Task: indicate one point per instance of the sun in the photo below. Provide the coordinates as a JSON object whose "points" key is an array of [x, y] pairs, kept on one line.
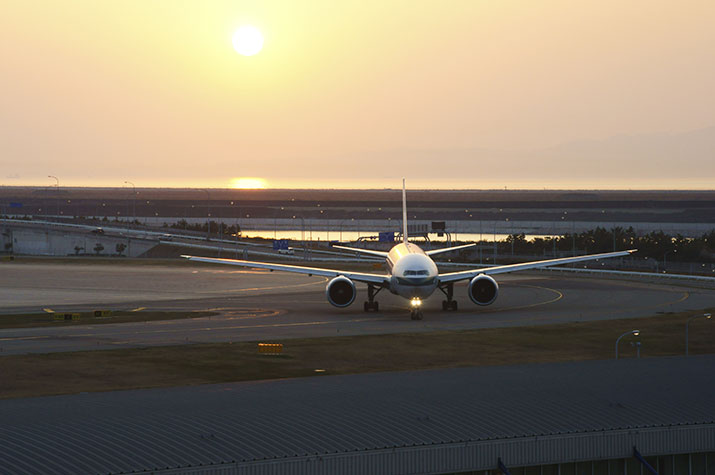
{"points": [[248, 183], [247, 40]]}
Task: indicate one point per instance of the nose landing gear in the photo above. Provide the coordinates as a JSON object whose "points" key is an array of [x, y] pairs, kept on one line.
{"points": [[416, 309]]}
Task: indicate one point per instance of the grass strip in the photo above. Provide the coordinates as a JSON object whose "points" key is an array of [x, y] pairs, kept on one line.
{"points": [[29, 320], [64, 373]]}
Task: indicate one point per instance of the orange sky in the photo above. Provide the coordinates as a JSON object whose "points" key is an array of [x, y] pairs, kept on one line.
{"points": [[473, 94]]}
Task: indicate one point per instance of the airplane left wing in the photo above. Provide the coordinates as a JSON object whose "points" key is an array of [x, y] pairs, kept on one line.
{"points": [[356, 276], [468, 274]]}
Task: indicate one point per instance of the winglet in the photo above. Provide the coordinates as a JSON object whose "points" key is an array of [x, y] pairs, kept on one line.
{"points": [[404, 213]]}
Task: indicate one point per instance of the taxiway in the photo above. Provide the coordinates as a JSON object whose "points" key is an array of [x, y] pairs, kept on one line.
{"points": [[254, 305]]}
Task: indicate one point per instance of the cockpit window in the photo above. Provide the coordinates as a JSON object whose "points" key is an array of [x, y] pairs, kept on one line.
{"points": [[416, 272]]}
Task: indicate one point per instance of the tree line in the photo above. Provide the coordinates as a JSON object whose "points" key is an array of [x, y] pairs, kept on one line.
{"points": [[656, 244]]}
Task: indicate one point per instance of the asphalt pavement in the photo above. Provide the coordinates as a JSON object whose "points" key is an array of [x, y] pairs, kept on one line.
{"points": [[253, 305]]}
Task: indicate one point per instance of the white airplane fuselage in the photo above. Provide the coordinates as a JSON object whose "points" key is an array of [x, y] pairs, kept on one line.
{"points": [[413, 274]]}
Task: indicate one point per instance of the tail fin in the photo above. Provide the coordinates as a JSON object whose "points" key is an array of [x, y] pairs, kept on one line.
{"points": [[404, 213]]}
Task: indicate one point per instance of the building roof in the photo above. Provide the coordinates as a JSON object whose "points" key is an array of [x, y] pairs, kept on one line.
{"points": [[127, 431]]}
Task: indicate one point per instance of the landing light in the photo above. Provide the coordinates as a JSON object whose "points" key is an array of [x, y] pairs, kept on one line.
{"points": [[415, 302]]}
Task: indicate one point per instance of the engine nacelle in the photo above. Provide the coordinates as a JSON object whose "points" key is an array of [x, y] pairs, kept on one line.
{"points": [[483, 290], [340, 291]]}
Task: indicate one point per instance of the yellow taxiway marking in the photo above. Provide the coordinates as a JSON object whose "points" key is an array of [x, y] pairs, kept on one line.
{"points": [[559, 296], [684, 297], [290, 286], [221, 328], [534, 319], [13, 338], [231, 313]]}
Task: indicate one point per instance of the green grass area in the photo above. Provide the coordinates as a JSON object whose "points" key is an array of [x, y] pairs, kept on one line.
{"points": [[63, 373], [368, 266], [29, 320], [94, 260]]}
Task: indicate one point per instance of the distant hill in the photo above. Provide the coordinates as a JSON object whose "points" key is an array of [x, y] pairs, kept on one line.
{"points": [[684, 157]]}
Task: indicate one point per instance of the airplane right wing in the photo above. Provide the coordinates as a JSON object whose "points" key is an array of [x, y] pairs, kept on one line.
{"points": [[356, 276], [468, 274]]}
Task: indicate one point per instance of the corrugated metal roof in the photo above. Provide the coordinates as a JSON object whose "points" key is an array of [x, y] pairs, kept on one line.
{"points": [[212, 424]]}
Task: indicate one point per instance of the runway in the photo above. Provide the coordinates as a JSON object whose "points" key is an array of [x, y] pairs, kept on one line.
{"points": [[270, 306]]}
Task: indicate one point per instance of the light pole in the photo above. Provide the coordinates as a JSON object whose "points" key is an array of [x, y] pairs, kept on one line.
{"points": [[340, 228], [275, 222], [302, 228], [632, 332], [208, 212], [573, 232], [322, 211], [706, 316], [57, 192], [512, 237], [134, 200], [481, 241], [573, 237], [614, 238], [495, 242], [664, 257]]}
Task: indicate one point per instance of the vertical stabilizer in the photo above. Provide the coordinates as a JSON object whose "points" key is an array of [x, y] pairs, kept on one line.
{"points": [[404, 213]]}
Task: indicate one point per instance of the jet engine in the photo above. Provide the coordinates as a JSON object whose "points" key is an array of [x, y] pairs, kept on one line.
{"points": [[340, 291], [483, 290]]}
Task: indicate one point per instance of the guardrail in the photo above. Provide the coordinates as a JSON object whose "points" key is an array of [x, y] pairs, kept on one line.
{"points": [[164, 238], [338, 256], [621, 273], [231, 252]]}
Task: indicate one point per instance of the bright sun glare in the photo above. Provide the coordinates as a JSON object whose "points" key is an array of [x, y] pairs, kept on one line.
{"points": [[246, 183], [247, 40]]}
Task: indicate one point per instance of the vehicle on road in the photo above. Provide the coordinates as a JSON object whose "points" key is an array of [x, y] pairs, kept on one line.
{"points": [[412, 274]]}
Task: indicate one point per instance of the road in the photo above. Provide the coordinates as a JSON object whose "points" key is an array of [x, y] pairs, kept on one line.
{"points": [[270, 306]]}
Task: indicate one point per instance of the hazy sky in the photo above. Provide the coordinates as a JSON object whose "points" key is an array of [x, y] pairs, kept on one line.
{"points": [[350, 93]]}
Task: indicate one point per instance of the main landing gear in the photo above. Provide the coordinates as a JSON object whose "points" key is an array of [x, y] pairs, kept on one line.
{"points": [[450, 303], [371, 305]]}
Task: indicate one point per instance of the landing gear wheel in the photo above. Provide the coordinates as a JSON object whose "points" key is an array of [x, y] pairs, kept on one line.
{"points": [[371, 304], [448, 291], [416, 314]]}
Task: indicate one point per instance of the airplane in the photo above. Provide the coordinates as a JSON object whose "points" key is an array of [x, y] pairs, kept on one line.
{"points": [[412, 274]]}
